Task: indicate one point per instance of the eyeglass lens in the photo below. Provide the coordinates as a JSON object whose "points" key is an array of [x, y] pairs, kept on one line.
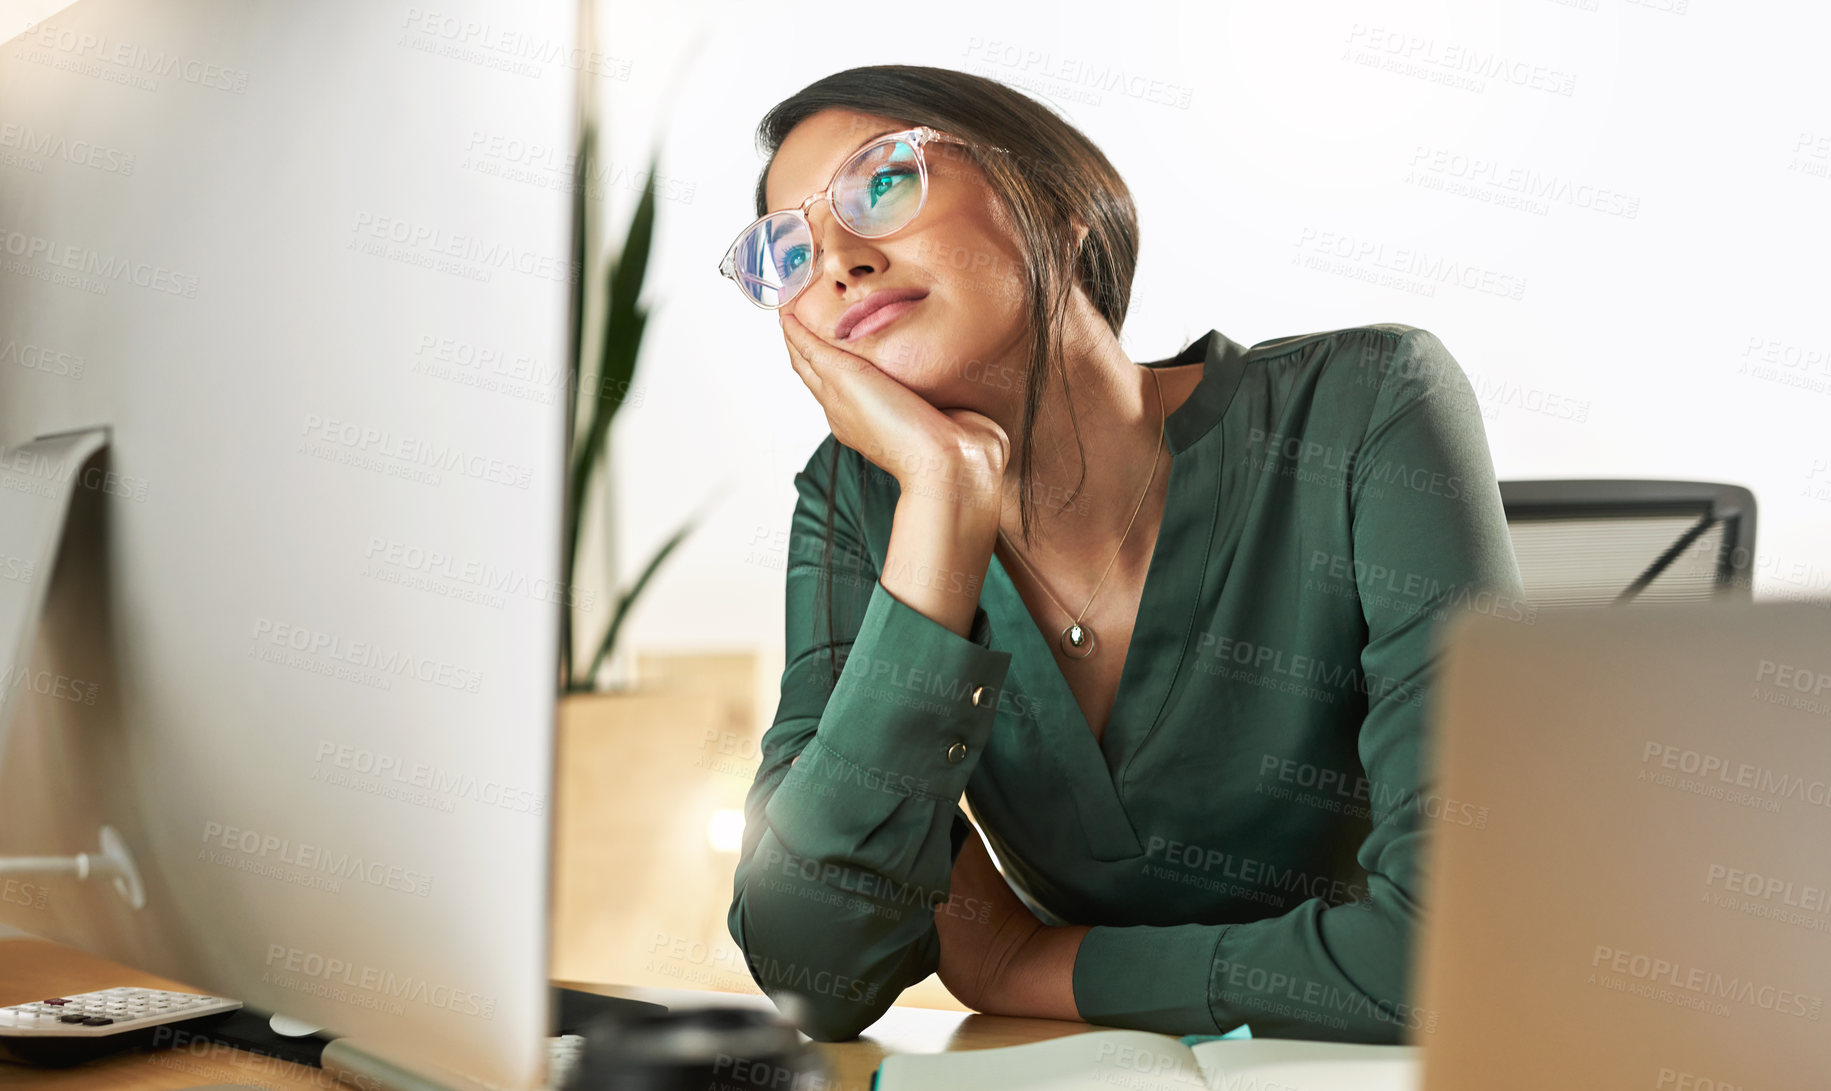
{"points": [[875, 192]]}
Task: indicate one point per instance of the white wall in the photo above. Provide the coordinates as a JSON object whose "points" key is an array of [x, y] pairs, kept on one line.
{"points": [[1686, 145]]}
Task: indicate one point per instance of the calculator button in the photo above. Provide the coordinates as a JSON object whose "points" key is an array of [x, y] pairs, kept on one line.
{"points": [[72, 1019], [97, 1021]]}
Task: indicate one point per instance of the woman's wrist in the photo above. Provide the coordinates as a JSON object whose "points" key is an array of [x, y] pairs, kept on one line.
{"points": [[971, 480], [939, 550]]}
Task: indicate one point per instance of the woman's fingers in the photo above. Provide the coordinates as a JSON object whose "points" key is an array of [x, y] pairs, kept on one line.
{"points": [[826, 360], [795, 359]]}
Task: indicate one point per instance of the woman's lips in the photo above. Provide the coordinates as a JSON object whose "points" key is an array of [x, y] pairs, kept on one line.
{"points": [[882, 317]]}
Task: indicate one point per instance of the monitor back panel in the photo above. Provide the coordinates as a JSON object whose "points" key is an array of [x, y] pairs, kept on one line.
{"points": [[1645, 901], [310, 264]]}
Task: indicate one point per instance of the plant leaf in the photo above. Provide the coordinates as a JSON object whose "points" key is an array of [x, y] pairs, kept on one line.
{"points": [[628, 600], [575, 350]]}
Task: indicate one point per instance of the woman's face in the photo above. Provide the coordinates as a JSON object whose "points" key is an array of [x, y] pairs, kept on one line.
{"points": [[961, 345]]}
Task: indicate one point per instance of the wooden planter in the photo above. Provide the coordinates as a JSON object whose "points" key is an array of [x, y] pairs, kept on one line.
{"points": [[640, 892]]}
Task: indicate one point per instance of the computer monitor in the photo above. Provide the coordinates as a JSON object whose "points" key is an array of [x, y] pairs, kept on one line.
{"points": [[1628, 819], [298, 265]]}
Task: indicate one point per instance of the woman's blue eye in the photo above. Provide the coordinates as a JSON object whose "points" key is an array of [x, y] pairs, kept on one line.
{"points": [[790, 260], [884, 180]]}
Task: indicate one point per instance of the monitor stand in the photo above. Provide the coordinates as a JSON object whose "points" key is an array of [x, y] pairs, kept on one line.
{"points": [[37, 481]]}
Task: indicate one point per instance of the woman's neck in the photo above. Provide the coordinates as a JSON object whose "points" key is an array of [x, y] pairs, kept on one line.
{"points": [[1116, 429]]}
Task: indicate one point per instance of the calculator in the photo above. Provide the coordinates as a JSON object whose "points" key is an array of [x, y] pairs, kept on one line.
{"points": [[69, 1029]]}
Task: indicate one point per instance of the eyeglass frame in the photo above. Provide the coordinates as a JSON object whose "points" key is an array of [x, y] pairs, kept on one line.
{"points": [[915, 137]]}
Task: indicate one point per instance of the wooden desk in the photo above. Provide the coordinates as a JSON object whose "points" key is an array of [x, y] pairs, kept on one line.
{"points": [[34, 969]]}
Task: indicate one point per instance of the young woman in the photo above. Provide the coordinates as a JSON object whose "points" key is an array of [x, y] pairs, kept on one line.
{"points": [[1166, 625]]}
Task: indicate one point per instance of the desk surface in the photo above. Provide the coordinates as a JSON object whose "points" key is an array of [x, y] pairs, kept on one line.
{"points": [[33, 969]]}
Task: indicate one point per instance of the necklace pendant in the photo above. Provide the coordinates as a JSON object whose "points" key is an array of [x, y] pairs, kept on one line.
{"points": [[1077, 641]]}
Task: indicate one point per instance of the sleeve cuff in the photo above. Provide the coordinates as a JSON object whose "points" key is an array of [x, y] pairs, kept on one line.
{"points": [[1148, 978], [912, 711]]}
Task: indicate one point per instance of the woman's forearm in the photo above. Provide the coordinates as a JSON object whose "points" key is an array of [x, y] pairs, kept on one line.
{"points": [[941, 542], [1039, 981]]}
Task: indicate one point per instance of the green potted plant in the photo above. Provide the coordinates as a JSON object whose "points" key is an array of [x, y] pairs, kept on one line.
{"points": [[624, 320], [646, 767]]}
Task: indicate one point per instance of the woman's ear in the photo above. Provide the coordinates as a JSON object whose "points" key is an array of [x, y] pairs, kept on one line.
{"points": [[1080, 236]]}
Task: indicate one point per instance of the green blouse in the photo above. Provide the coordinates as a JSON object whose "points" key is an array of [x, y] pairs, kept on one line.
{"points": [[1244, 840]]}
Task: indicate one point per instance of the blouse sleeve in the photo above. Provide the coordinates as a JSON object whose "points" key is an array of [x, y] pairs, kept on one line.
{"points": [[1423, 499], [853, 822]]}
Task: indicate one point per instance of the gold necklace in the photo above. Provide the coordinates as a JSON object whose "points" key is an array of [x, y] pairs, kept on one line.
{"points": [[1077, 635]]}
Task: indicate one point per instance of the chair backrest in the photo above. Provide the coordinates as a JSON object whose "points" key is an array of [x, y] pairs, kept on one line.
{"points": [[1601, 542]]}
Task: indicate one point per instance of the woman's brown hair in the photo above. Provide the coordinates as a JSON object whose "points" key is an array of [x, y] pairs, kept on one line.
{"points": [[1050, 176]]}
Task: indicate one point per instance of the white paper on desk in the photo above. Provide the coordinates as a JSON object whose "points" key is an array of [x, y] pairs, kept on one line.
{"points": [[1267, 1063], [1134, 1060]]}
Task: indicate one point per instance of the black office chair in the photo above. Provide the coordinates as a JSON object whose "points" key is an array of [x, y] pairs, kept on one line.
{"points": [[1599, 543]]}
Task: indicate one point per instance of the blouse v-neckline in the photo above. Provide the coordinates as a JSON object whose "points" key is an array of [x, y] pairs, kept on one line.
{"points": [[1167, 603]]}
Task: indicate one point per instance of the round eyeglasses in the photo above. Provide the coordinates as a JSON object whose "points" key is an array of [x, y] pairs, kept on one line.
{"points": [[877, 191]]}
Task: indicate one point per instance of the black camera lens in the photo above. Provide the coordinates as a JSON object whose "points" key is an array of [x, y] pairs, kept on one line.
{"points": [[697, 1049]]}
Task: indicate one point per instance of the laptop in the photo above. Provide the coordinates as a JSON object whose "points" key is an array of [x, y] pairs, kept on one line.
{"points": [[1629, 884]]}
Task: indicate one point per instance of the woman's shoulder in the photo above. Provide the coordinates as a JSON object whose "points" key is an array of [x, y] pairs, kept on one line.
{"points": [[1378, 337], [1392, 358]]}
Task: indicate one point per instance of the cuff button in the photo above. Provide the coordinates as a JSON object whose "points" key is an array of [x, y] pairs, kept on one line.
{"points": [[956, 751]]}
